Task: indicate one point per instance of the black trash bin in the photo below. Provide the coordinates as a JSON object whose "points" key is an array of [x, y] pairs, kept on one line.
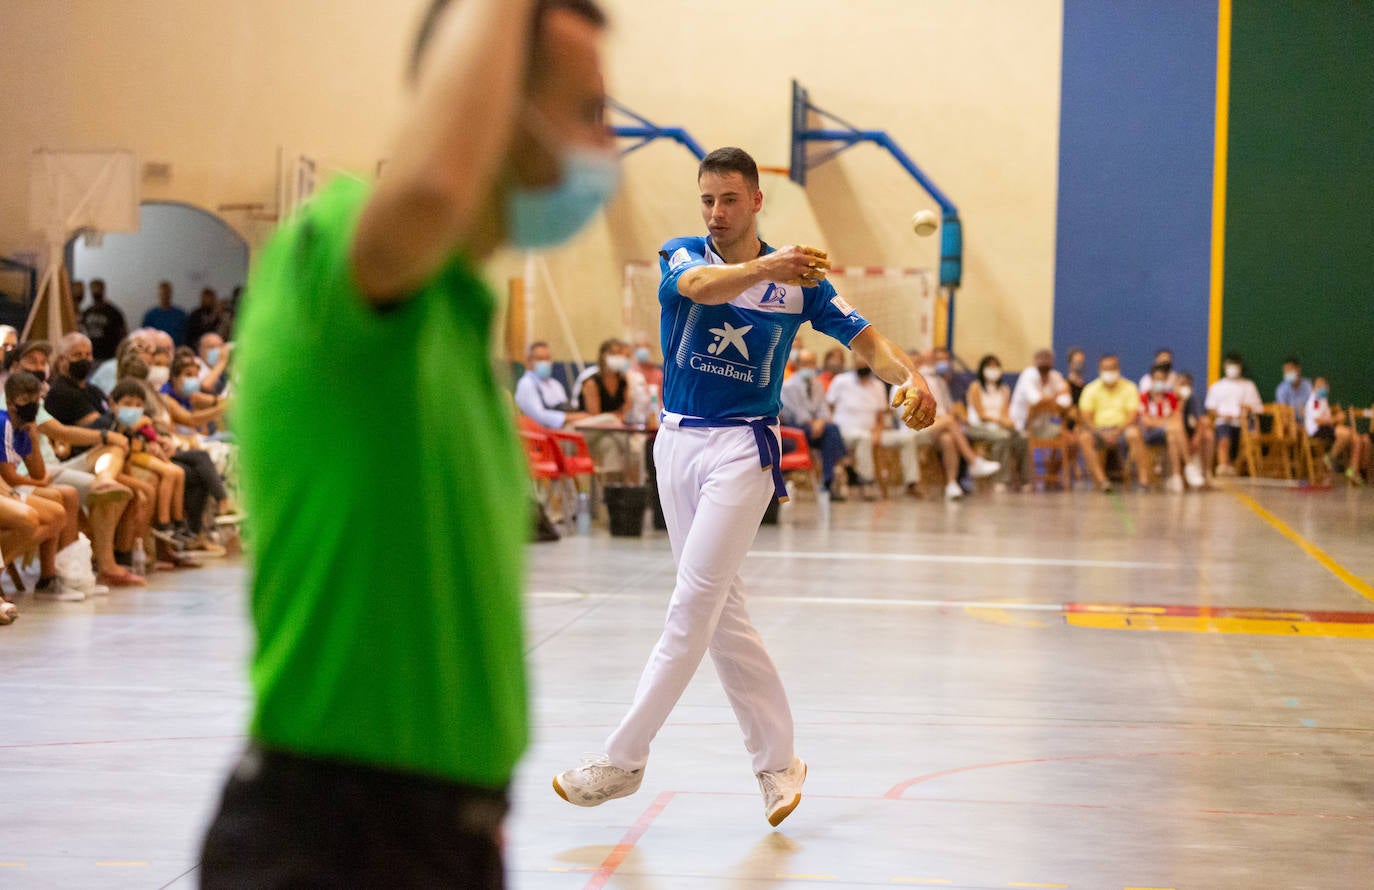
{"points": [[625, 504]]}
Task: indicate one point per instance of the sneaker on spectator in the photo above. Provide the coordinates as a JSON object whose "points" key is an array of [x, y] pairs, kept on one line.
{"points": [[1194, 475], [229, 519], [1174, 485], [782, 790], [981, 467], [953, 492], [8, 612], [100, 590], [167, 535], [596, 781], [53, 589]]}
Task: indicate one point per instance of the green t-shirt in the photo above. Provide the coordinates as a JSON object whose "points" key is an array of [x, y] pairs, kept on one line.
{"points": [[388, 511]]}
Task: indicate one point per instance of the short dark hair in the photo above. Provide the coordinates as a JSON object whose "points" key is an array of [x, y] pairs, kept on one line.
{"points": [[182, 362], [587, 9], [1161, 368], [537, 344], [128, 388], [1294, 361], [731, 160], [1109, 356], [1234, 358], [21, 383]]}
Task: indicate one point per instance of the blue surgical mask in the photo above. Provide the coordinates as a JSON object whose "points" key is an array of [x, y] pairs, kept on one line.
{"points": [[1320, 392], [1290, 377], [190, 385], [807, 374], [129, 416], [942, 368], [547, 217], [212, 356], [643, 355], [543, 370]]}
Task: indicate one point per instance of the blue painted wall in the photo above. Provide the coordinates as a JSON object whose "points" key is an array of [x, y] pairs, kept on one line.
{"points": [[1133, 259]]}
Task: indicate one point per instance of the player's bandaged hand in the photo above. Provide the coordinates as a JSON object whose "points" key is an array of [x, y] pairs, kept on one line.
{"points": [[800, 265], [917, 404]]}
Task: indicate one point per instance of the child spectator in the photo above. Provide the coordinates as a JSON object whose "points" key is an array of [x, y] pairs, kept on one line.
{"points": [[1343, 446], [1197, 426], [1162, 422], [1232, 398]]}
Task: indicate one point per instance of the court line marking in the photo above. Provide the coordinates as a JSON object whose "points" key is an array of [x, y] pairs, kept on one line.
{"points": [[1221, 625], [822, 601], [972, 559], [1349, 578], [627, 843]]}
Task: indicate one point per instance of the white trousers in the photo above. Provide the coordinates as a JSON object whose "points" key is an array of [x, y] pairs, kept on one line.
{"points": [[860, 444], [714, 494]]}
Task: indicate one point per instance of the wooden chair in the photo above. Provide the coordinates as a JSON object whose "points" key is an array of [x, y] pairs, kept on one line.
{"points": [[887, 466], [1264, 443], [1050, 463]]}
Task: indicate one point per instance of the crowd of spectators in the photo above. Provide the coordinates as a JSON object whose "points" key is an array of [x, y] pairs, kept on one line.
{"points": [[1162, 433], [115, 445]]}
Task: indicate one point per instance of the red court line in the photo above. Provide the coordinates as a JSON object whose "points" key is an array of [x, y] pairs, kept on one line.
{"points": [[627, 843], [896, 791]]}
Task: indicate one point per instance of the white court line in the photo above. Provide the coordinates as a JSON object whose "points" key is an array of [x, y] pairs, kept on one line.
{"points": [[961, 560], [819, 601]]}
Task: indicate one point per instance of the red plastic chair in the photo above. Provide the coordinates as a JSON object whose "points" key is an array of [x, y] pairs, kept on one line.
{"points": [[542, 453], [799, 461], [573, 458]]}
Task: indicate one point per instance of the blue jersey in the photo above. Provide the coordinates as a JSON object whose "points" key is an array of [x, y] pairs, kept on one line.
{"points": [[728, 360]]}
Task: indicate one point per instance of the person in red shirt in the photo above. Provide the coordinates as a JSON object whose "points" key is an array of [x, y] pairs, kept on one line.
{"points": [[1162, 423]]}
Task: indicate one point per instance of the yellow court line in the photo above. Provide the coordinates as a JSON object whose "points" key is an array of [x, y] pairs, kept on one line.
{"points": [[14, 865], [1213, 625], [1220, 144], [1353, 581]]}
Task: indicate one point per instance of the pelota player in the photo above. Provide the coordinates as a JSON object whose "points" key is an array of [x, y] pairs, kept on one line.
{"points": [[731, 306]]}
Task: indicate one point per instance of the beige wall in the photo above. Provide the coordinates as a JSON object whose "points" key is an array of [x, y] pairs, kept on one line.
{"points": [[970, 89]]}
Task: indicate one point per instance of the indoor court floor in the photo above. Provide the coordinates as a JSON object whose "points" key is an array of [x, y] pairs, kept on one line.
{"points": [[1046, 691]]}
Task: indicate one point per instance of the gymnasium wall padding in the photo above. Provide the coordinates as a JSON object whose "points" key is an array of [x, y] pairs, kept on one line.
{"points": [[1299, 261], [1136, 135]]}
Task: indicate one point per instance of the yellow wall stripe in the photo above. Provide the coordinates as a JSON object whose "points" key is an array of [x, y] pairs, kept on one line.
{"points": [[1219, 188], [1351, 580]]}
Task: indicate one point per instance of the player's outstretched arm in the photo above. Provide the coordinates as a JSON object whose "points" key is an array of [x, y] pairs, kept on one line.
{"points": [[893, 365], [448, 150], [712, 285]]}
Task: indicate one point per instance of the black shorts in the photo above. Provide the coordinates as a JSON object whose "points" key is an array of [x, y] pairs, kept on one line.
{"points": [[288, 821], [1325, 433]]}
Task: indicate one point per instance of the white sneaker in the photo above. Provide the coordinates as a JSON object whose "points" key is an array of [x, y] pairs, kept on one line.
{"points": [[953, 492], [59, 592], [1174, 485], [596, 781], [782, 791], [982, 467], [1193, 473], [8, 612]]}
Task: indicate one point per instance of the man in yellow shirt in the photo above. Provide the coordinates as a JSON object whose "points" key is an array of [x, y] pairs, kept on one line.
{"points": [[1107, 410]]}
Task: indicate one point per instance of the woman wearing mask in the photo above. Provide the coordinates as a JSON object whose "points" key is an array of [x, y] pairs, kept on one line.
{"points": [[607, 393], [989, 410]]}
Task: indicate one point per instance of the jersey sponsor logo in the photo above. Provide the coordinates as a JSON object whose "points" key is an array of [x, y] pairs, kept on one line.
{"points": [[680, 258], [722, 369], [727, 336], [842, 304], [774, 296]]}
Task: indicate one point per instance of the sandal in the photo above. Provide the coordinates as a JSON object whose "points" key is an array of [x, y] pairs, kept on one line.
{"points": [[121, 578]]}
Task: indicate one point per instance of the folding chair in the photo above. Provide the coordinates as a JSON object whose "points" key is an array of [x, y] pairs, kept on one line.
{"points": [[799, 464]]}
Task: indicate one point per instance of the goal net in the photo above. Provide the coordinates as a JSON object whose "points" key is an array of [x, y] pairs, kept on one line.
{"points": [[899, 302]]}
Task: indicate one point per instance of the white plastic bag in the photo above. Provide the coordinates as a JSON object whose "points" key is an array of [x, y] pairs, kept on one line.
{"points": [[74, 565]]}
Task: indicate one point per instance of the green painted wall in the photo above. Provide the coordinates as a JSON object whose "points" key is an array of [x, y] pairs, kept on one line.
{"points": [[1300, 192]]}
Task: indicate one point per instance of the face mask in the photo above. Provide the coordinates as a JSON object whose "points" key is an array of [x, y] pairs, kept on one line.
{"points": [[864, 373], [190, 385], [617, 363], [1110, 377], [26, 413], [1159, 387], [792, 356], [546, 217], [158, 376], [543, 370], [9, 347], [926, 370], [643, 355], [1290, 377], [41, 375], [992, 375], [1185, 392], [1233, 371], [79, 370], [942, 368], [807, 374], [1320, 392], [212, 357], [129, 416]]}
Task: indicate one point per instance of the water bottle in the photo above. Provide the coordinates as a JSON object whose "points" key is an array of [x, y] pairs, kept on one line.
{"points": [[584, 513], [139, 559]]}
